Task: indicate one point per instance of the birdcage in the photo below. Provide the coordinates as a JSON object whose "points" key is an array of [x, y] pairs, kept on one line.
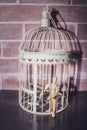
{"points": [[47, 52]]}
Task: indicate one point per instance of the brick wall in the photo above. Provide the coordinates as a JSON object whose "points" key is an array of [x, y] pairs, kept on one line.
{"points": [[17, 16]]}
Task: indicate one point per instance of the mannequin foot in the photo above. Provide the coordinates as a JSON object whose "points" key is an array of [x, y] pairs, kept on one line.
{"points": [[53, 114]]}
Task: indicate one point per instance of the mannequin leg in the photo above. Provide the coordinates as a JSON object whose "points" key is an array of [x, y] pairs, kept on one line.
{"points": [[53, 107]]}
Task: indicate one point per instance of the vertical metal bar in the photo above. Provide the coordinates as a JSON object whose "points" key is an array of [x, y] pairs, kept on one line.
{"points": [[25, 77], [54, 69], [42, 78], [20, 82], [68, 84], [50, 66], [62, 100], [40, 73], [35, 86], [27, 100], [21, 74], [29, 76], [50, 79], [23, 98], [61, 72], [47, 72], [76, 72]]}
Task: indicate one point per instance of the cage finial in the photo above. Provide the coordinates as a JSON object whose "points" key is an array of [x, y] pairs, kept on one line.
{"points": [[44, 20]]}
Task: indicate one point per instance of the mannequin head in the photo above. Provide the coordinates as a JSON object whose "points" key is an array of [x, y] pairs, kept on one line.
{"points": [[54, 79]]}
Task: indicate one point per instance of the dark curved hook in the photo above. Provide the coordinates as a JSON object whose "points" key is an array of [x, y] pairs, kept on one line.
{"points": [[54, 14]]}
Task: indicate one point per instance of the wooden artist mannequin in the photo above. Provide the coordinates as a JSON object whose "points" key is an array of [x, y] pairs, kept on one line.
{"points": [[53, 93]]}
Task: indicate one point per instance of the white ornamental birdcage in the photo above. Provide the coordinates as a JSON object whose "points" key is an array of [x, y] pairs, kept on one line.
{"points": [[47, 54]]}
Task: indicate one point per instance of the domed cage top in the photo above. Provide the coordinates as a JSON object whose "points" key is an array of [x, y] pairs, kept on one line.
{"points": [[45, 53]]}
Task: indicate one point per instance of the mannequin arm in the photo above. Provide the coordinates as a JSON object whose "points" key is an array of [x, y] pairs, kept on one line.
{"points": [[43, 90]]}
